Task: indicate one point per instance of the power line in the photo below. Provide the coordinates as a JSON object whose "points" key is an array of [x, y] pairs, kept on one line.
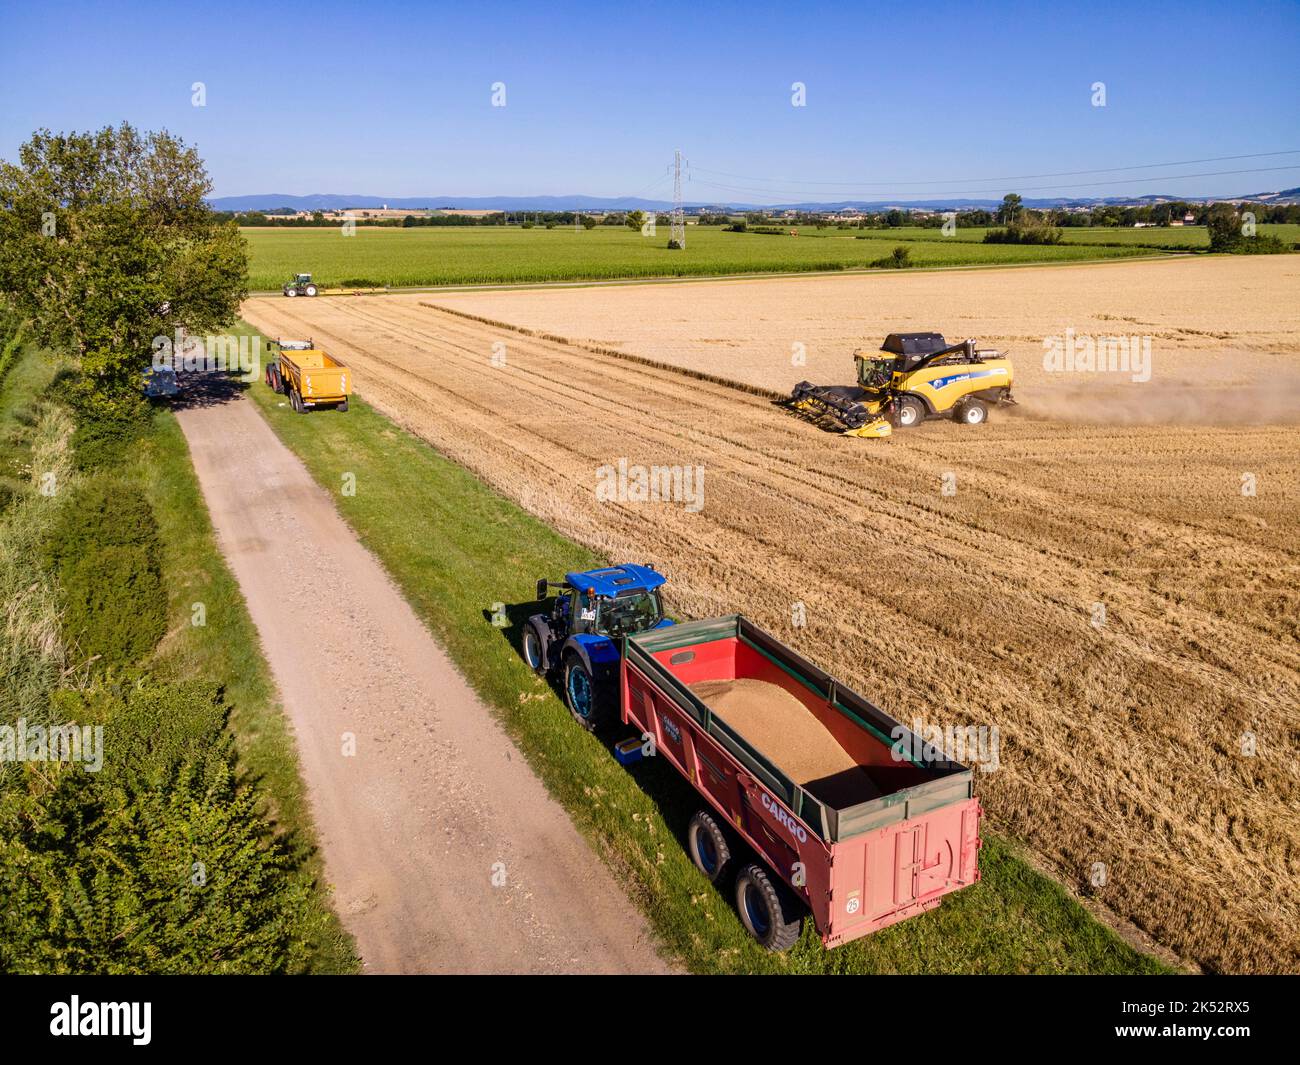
{"points": [[1031, 188], [1013, 177]]}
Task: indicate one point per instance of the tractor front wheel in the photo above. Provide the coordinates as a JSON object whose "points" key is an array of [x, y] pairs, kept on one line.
{"points": [[533, 650], [291, 291]]}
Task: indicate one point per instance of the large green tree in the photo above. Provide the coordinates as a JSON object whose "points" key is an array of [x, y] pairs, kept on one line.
{"points": [[106, 242]]}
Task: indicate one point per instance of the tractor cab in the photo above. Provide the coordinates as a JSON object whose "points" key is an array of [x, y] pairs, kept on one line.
{"points": [[613, 602], [580, 639]]}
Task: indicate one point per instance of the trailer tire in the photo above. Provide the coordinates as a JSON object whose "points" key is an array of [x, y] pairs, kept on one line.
{"points": [[766, 909], [910, 412], [581, 694], [343, 406], [708, 846]]}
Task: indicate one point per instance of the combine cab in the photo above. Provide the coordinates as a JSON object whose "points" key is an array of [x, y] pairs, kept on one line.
{"points": [[917, 376]]}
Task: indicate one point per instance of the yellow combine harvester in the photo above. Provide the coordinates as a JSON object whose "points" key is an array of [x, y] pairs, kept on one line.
{"points": [[918, 376]]}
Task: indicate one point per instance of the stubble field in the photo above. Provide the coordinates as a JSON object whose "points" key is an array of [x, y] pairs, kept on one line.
{"points": [[1148, 750]]}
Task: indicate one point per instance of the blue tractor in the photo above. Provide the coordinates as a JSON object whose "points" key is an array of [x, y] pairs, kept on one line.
{"points": [[579, 640]]}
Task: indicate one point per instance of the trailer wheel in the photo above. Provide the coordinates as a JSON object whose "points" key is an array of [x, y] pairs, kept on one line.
{"points": [[910, 412], [581, 695], [342, 406], [708, 846], [767, 911], [972, 411]]}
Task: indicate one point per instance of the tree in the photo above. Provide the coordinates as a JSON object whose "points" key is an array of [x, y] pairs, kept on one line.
{"points": [[635, 219], [106, 242], [1011, 207], [1224, 227]]}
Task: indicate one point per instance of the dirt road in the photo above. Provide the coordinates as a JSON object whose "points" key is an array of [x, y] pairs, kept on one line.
{"points": [[1109, 598], [445, 853]]}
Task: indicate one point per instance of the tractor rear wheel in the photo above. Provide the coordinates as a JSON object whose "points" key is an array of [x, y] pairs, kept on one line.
{"points": [[972, 411], [311, 290], [767, 910], [581, 695], [708, 847], [910, 413]]}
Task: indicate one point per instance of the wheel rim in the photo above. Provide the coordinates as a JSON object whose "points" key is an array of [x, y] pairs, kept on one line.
{"points": [[907, 416], [531, 650], [973, 416], [706, 851], [580, 691], [756, 910]]}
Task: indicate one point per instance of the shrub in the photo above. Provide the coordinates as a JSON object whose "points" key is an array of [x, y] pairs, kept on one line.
{"points": [[899, 259], [1023, 232], [104, 548], [159, 863]]}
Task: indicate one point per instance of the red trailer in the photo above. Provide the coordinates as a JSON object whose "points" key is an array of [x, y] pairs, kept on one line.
{"points": [[848, 818]]}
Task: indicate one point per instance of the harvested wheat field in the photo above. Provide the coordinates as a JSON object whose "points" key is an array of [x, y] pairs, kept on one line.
{"points": [[1126, 728]]}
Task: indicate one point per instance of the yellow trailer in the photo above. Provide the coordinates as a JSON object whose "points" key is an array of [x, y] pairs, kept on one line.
{"points": [[309, 376]]}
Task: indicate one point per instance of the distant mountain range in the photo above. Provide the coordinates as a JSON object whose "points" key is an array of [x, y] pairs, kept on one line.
{"points": [[271, 201]]}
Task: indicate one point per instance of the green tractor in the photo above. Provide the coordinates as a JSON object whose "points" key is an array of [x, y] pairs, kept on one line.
{"points": [[301, 285]]}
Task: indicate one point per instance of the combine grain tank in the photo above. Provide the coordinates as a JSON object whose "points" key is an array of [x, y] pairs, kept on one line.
{"points": [[850, 822]]}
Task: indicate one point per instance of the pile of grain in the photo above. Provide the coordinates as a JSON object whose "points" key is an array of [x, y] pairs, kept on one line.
{"points": [[787, 733]]}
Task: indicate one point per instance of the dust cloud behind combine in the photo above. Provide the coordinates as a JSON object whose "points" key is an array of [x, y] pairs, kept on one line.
{"points": [[1106, 595]]}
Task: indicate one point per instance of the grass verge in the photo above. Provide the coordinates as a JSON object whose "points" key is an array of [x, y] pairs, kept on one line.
{"points": [[457, 549]]}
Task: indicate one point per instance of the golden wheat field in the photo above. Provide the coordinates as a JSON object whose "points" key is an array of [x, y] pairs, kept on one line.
{"points": [[1100, 589]]}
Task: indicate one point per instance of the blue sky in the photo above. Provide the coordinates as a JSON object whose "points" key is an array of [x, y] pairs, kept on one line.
{"points": [[903, 100]]}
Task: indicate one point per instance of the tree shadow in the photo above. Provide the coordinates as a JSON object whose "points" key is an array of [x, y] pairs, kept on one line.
{"points": [[210, 388]]}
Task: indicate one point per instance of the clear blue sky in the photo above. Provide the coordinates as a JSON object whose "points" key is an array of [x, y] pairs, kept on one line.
{"points": [[393, 99]]}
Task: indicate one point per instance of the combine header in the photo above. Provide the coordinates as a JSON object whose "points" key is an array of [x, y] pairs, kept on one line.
{"points": [[919, 376]]}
